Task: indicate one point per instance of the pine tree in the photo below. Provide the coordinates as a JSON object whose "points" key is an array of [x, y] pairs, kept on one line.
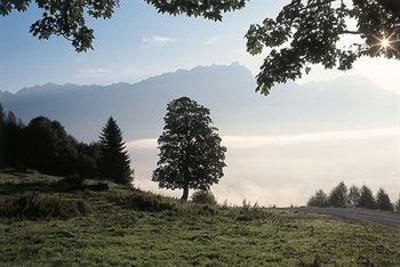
{"points": [[353, 196], [191, 155], [338, 196], [366, 199], [114, 163], [383, 201]]}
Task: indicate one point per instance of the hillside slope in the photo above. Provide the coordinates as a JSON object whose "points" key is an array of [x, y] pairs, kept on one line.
{"points": [[128, 227]]}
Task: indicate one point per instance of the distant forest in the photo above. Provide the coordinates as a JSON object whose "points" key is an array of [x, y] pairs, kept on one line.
{"points": [[354, 197]]}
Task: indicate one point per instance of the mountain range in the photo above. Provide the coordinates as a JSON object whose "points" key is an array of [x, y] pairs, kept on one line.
{"points": [[228, 90]]}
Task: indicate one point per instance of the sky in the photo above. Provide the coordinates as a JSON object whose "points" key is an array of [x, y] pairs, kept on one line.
{"points": [[138, 43]]}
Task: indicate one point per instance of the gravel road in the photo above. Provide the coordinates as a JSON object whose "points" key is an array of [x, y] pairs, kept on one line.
{"points": [[361, 215]]}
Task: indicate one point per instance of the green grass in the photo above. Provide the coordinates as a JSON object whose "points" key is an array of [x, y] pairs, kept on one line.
{"points": [[126, 227]]}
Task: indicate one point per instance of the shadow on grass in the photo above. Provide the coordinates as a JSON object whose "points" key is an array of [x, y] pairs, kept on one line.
{"points": [[57, 187]]}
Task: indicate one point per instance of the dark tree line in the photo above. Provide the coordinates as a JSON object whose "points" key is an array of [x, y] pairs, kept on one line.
{"points": [[342, 197], [191, 154], [44, 145]]}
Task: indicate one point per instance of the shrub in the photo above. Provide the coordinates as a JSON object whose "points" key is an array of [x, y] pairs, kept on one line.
{"points": [[204, 197], [250, 212], [320, 199], [143, 201], [36, 206], [72, 181]]}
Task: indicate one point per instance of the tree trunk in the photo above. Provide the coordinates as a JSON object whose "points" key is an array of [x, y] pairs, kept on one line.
{"points": [[185, 193]]}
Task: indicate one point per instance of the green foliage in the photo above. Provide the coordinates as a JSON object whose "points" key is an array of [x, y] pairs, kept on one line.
{"points": [[64, 18], [249, 212], [309, 32], [211, 9], [37, 206], [143, 201], [383, 201], [44, 145], [204, 197], [353, 196], [68, 18], [49, 149], [114, 163], [191, 155], [366, 199], [320, 199], [338, 196]]}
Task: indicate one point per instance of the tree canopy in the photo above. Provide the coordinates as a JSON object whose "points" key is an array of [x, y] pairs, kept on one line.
{"points": [[68, 19], [308, 32], [191, 154], [304, 33], [338, 196], [320, 199]]}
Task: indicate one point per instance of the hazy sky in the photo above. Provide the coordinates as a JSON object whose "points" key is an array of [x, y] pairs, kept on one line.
{"points": [[137, 43]]}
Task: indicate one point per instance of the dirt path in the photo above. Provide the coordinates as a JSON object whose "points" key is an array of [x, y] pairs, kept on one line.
{"points": [[362, 215]]}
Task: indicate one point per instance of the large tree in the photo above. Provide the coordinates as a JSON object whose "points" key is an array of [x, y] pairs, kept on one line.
{"points": [[191, 154], [305, 32], [114, 163]]}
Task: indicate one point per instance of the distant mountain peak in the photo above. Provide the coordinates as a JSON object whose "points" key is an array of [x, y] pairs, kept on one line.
{"points": [[51, 88]]}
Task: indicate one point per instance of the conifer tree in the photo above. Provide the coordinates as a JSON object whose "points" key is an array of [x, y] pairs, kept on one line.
{"points": [[114, 163], [383, 201], [353, 196], [338, 196], [191, 155], [366, 199]]}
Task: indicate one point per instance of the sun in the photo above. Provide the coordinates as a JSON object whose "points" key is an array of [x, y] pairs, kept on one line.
{"points": [[385, 43]]}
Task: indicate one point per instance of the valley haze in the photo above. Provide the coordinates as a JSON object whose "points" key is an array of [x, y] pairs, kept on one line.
{"points": [[281, 148]]}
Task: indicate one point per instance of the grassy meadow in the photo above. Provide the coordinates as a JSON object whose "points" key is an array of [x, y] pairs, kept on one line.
{"points": [[44, 221]]}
